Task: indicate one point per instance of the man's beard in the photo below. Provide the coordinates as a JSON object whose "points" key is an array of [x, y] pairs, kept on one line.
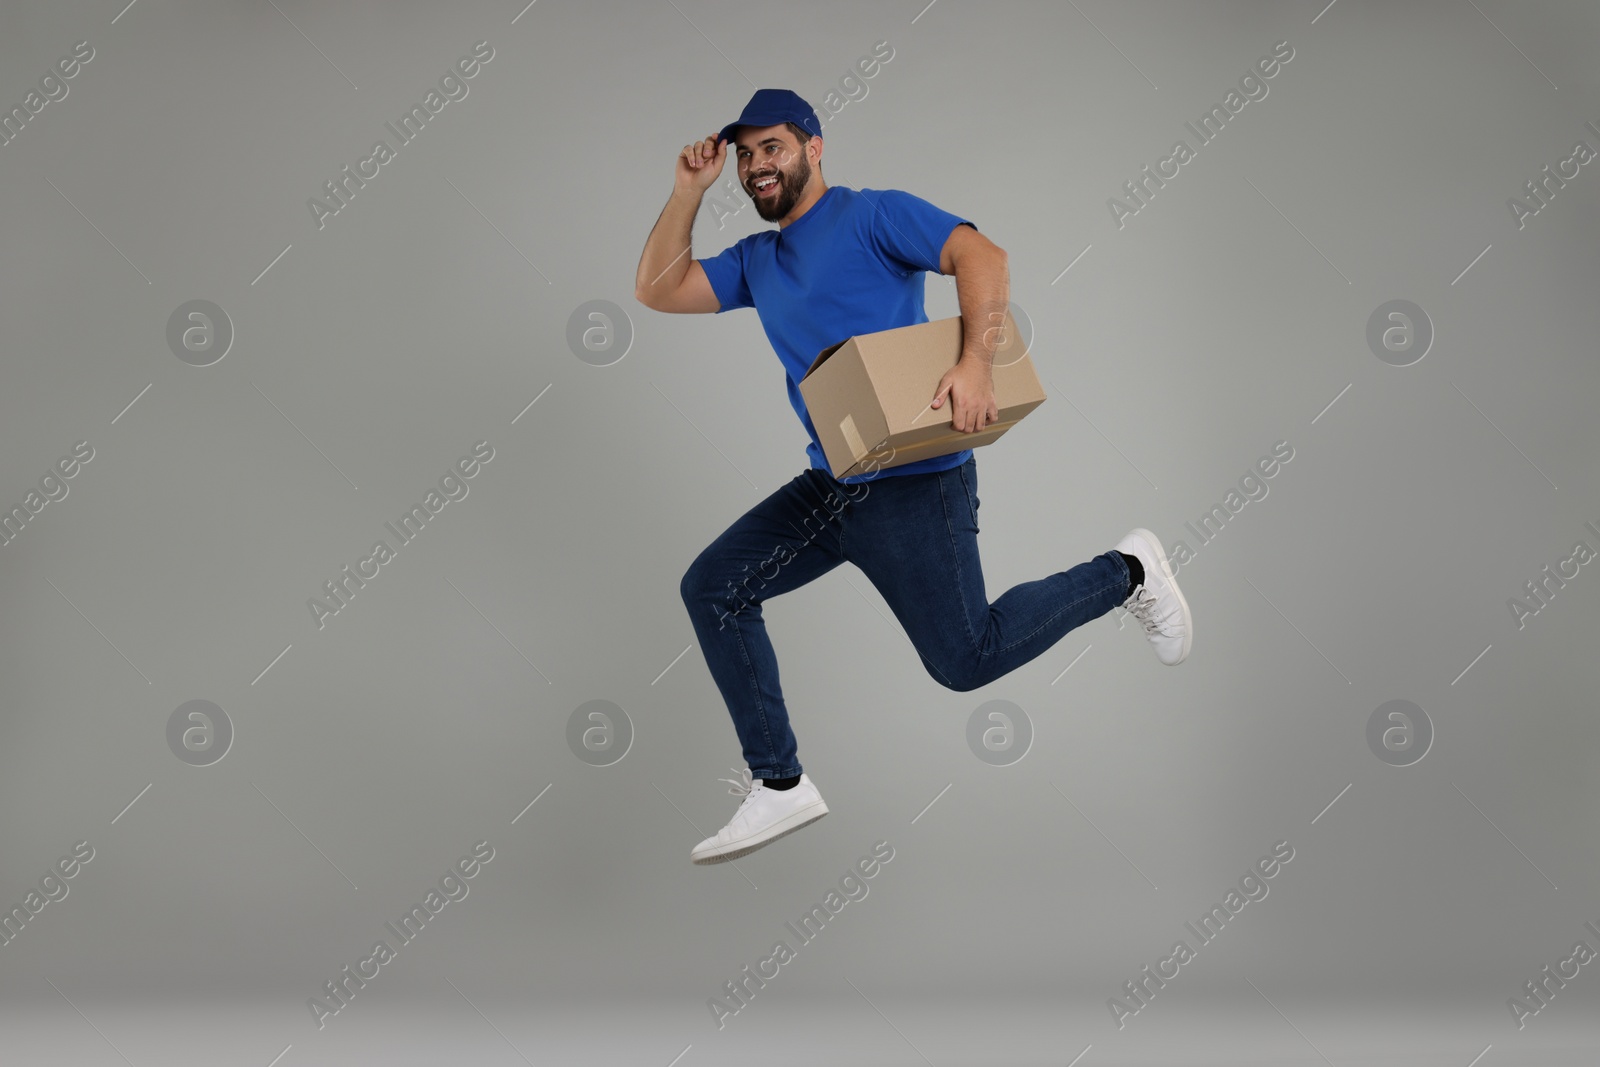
{"points": [[791, 184]]}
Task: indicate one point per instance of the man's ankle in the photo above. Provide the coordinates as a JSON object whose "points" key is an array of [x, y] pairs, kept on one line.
{"points": [[1135, 571]]}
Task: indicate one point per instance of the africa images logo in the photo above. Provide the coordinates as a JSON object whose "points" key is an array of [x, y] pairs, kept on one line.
{"points": [[412, 123]]}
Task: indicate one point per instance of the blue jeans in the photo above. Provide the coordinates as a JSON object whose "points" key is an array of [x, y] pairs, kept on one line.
{"points": [[915, 537]]}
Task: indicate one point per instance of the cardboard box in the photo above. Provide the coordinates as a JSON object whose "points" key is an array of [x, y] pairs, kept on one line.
{"points": [[869, 396]]}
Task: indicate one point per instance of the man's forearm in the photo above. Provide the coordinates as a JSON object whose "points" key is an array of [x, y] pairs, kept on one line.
{"points": [[666, 252], [983, 289]]}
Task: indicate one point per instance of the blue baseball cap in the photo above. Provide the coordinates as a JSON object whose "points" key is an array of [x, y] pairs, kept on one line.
{"points": [[773, 107]]}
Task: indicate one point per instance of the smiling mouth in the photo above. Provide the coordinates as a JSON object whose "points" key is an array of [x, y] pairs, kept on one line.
{"points": [[768, 190]]}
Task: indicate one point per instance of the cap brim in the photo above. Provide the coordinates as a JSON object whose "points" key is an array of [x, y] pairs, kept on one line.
{"points": [[761, 120]]}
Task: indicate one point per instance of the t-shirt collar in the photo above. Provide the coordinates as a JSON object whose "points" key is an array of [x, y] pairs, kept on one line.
{"points": [[810, 211]]}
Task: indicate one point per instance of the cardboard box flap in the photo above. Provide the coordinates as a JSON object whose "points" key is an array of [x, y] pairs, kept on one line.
{"points": [[824, 354]]}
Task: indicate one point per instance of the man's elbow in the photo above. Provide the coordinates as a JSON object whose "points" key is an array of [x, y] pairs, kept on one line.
{"points": [[988, 256], [998, 262]]}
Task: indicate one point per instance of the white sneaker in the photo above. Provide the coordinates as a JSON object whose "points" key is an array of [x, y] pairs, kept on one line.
{"points": [[763, 816], [1157, 602]]}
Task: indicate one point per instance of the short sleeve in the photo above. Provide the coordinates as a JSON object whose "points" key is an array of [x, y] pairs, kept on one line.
{"points": [[725, 272], [907, 232]]}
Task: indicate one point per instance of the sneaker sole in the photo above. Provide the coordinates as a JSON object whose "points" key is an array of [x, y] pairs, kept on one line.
{"points": [[1172, 580], [798, 821]]}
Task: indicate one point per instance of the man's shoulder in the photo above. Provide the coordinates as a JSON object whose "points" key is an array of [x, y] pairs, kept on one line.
{"points": [[751, 241], [886, 202], [874, 195]]}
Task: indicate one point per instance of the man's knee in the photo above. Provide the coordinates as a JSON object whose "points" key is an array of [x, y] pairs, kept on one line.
{"points": [[695, 581], [703, 581], [706, 581], [961, 679]]}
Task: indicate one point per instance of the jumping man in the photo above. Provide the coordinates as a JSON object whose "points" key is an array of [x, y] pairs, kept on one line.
{"points": [[845, 262]]}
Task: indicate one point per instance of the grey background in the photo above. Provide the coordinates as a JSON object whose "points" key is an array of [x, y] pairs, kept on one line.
{"points": [[1225, 316]]}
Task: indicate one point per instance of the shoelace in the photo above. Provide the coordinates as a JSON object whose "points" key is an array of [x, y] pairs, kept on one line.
{"points": [[743, 785], [1141, 605]]}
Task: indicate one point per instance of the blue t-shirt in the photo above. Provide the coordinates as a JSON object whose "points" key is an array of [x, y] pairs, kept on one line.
{"points": [[852, 264]]}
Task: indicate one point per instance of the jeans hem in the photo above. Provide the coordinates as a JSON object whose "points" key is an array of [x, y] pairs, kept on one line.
{"points": [[764, 775]]}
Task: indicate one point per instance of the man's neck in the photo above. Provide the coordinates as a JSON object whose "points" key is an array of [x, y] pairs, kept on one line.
{"points": [[814, 191]]}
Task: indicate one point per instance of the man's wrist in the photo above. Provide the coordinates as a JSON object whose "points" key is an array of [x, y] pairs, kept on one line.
{"points": [[975, 358]]}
